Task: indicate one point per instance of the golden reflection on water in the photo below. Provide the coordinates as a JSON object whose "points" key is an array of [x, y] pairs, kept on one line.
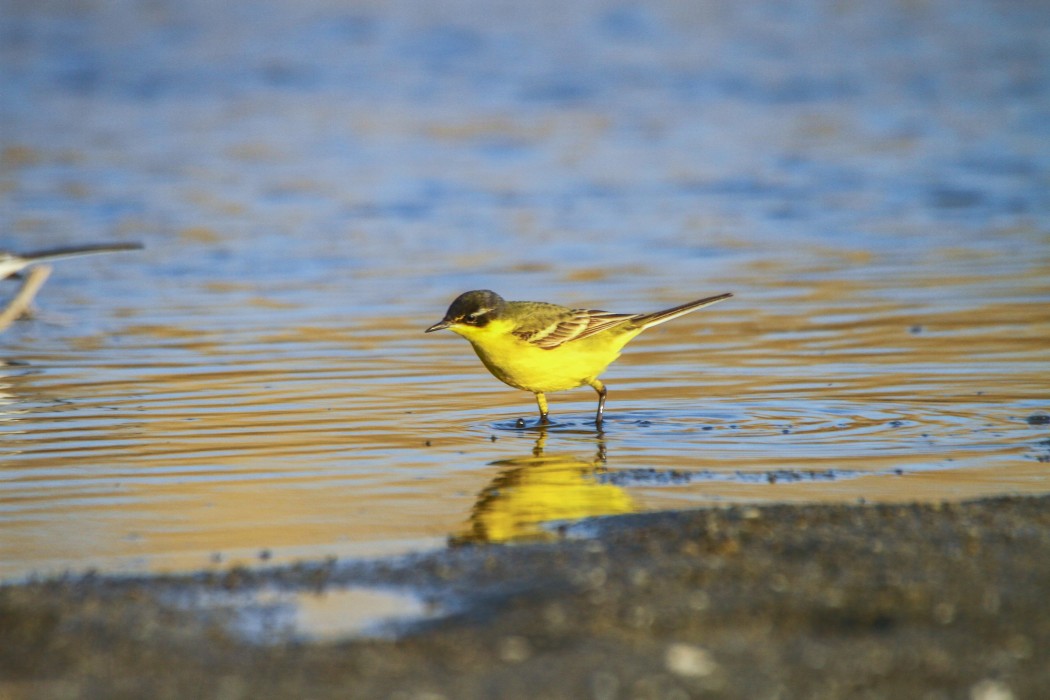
{"points": [[257, 380], [179, 445], [530, 493]]}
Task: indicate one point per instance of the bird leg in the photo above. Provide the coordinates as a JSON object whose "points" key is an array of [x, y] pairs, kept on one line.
{"points": [[541, 401], [22, 301], [600, 416]]}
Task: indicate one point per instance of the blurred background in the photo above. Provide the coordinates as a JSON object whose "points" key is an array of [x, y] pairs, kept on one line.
{"points": [[315, 181]]}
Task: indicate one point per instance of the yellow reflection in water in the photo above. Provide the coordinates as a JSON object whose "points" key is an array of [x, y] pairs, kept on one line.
{"points": [[189, 437], [529, 492]]}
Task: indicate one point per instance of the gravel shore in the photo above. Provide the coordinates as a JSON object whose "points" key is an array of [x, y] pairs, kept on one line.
{"points": [[903, 601]]}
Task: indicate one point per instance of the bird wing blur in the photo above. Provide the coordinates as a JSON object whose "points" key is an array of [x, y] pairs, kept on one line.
{"points": [[11, 263]]}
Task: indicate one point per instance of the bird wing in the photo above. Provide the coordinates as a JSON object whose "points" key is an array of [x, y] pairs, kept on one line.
{"points": [[11, 263], [555, 326], [77, 250], [549, 326]]}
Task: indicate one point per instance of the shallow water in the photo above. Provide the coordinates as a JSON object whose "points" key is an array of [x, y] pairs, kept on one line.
{"points": [[276, 616], [314, 184]]}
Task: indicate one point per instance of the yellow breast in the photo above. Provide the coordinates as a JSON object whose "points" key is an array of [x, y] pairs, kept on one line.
{"points": [[526, 366]]}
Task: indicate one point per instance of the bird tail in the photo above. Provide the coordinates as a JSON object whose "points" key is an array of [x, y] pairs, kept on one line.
{"points": [[71, 251], [657, 317]]}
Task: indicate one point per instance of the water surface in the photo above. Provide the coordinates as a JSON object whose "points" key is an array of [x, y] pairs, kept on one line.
{"points": [[314, 184]]}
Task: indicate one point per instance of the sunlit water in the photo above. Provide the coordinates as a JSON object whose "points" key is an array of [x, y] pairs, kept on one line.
{"points": [[314, 184]]}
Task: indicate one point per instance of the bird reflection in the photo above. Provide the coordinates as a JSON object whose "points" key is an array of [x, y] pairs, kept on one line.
{"points": [[530, 492]]}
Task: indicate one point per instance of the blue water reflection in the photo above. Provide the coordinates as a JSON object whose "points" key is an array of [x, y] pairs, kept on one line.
{"points": [[314, 181]]}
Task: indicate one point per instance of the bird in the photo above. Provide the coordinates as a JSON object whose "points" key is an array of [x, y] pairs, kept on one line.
{"points": [[13, 263], [542, 348]]}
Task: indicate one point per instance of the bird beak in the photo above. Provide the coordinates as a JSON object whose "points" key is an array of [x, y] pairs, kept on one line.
{"points": [[441, 325]]}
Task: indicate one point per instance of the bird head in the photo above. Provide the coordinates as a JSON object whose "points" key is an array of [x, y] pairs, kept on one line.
{"points": [[475, 309]]}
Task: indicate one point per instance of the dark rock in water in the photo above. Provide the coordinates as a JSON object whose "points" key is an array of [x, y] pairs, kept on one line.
{"points": [[1038, 419]]}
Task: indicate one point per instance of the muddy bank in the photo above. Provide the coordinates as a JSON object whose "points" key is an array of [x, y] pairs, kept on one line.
{"points": [[843, 601]]}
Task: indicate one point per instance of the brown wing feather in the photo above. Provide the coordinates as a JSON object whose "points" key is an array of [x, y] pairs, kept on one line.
{"points": [[580, 324], [550, 326]]}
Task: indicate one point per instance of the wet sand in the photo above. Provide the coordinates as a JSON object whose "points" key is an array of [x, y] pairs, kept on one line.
{"points": [[934, 601]]}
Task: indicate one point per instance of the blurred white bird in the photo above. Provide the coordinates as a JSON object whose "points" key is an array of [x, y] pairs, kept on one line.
{"points": [[12, 263]]}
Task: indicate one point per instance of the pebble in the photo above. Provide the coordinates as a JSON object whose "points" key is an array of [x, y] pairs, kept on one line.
{"points": [[514, 649], [1038, 418], [691, 661], [991, 690]]}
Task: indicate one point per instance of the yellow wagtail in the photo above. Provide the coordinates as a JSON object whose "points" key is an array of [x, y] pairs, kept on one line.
{"points": [[541, 347]]}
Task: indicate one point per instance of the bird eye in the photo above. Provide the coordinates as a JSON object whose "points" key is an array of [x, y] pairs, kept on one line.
{"points": [[473, 316]]}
